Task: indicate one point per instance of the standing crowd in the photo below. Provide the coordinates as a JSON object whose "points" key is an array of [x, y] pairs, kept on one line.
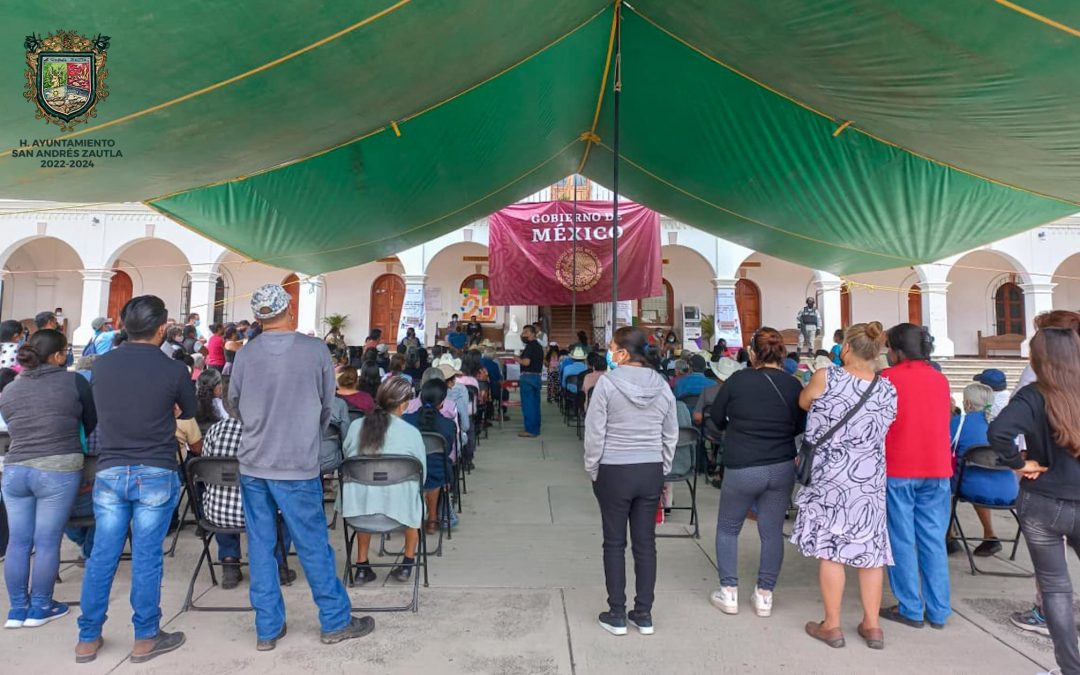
{"points": [[867, 447]]}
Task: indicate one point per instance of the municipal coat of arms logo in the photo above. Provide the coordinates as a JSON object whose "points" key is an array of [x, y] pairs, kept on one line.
{"points": [[65, 76]]}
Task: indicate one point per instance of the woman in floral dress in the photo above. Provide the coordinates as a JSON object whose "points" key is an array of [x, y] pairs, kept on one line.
{"points": [[841, 519]]}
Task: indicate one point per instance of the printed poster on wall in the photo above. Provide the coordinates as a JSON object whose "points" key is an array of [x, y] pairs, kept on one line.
{"points": [[476, 302], [433, 299], [727, 317], [412, 312], [624, 313]]}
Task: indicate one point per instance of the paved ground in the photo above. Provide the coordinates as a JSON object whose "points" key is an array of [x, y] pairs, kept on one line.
{"points": [[518, 590]]}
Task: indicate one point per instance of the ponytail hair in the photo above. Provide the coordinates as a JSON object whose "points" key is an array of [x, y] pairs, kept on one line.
{"points": [[392, 393], [205, 411], [432, 395], [636, 344], [910, 342], [1055, 358], [36, 351]]}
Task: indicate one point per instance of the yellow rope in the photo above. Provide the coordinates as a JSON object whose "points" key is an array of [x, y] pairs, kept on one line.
{"points": [[868, 134], [235, 78], [1039, 17], [67, 207], [381, 129], [590, 136]]}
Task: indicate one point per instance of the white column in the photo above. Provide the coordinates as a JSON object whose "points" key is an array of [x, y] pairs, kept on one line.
{"points": [[828, 290], [1038, 298], [203, 291], [95, 302], [310, 305], [935, 316], [733, 336]]}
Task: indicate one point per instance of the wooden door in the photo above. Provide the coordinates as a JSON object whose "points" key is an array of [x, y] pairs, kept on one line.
{"points": [[845, 309], [748, 302], [914, 305], [1009, 310], [120, 290], [291, 284], [387, 294]]}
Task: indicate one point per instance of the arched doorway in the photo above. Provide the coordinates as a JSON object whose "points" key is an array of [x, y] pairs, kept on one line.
{"points": [[387, 294], [291, 284], [659, 310], [120, 290], [748, 302], [1009, 309], [914, 305]]}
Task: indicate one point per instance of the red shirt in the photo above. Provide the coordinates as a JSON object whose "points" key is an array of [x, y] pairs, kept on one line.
{"points": [[917, 445], [215, 351]]}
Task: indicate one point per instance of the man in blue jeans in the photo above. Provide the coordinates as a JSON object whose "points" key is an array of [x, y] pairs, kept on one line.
{"points": [[136, 390], [282, 386], [532, 364]]}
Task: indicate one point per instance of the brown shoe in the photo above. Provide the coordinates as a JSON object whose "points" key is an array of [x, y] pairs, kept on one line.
{"points": [[875, 637], [85, 652], [834, 637], [525, 434]]}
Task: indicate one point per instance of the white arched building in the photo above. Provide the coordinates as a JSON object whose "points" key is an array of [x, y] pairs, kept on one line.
{"points": [[88, 260]]}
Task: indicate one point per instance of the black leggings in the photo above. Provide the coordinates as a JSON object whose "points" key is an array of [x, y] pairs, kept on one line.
{"points": [[629, 492]]}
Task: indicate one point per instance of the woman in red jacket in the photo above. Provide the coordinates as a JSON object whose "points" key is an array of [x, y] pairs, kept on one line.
{"points": [[918, 465]]}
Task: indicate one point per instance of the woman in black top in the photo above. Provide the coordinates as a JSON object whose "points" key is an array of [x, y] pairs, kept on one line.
{"points": [[759, 410], [1047, 413]]}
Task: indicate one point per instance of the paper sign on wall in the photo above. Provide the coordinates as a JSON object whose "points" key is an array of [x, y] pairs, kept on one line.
{"points": [[412, 312], [433, 299]]}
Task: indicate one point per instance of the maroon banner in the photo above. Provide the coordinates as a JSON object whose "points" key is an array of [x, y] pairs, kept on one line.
{"points": [[532, 262]]}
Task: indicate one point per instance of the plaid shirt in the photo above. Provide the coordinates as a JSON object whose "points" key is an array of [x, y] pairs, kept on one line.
{"points": [[223, 505]]}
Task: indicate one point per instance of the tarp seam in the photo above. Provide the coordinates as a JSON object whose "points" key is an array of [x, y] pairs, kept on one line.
{"points": [[851, 125], [749, 219], [235, 78], [589, 140], [374, 132]]}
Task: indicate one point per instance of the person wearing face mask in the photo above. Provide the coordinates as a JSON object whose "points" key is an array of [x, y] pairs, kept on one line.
{"points": [[532, 364], [808, 320], [630, 436]]}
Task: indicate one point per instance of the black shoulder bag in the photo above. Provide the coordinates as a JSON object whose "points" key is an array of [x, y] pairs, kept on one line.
{"points": [[804, 462]]}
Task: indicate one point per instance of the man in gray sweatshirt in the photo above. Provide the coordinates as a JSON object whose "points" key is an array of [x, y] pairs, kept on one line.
{"points": [[282, 387]]}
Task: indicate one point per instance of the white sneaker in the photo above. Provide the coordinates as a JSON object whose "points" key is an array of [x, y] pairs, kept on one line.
{"points": [[726, 599], [762, 602]]}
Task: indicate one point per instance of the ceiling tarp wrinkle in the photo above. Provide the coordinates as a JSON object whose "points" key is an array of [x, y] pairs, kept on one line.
{"points": [[823, 133]]}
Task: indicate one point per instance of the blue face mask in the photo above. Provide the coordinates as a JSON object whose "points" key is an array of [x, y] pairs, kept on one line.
{"points": [[610, 364]]}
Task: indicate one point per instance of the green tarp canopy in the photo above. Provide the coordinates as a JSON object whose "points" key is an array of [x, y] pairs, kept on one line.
{"points": [[845, 135]]}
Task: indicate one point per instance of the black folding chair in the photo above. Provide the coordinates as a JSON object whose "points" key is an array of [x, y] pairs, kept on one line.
{"points": [[333, 435], [5, 443], [578, 401], [474, 433], [185, 499], [204, 472], [983, 457], [354, 414], [381, 471], [438, 452], [684, 470]]}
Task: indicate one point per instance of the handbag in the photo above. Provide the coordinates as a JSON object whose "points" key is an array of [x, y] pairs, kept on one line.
{"points": [[804, 461]]}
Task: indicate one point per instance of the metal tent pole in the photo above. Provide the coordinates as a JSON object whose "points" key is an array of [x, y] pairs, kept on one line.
{"points": [[573, 274], [615, 171]]}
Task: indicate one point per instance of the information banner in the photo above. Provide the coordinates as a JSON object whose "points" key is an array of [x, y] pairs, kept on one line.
{"points": [[727, 318], [412, 312]]}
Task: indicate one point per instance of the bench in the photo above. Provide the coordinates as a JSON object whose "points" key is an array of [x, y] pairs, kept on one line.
{"points": [[1009, 342], [496, 335]]}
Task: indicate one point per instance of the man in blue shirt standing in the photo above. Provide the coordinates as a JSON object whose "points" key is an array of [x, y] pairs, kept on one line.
{"points": [[695, 382]]}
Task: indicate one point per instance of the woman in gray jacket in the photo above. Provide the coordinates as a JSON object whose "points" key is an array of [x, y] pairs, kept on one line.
{"points": [[630, 436]]}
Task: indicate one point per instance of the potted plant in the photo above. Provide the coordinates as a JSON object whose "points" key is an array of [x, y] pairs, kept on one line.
{"points": [[336, 322]]}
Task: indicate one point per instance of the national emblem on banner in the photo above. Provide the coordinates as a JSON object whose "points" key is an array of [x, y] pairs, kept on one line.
{"points": [[581, 276], [65, 76]]}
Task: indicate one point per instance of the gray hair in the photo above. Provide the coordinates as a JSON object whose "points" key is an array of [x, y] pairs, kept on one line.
{"points": [[978, 397]]}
